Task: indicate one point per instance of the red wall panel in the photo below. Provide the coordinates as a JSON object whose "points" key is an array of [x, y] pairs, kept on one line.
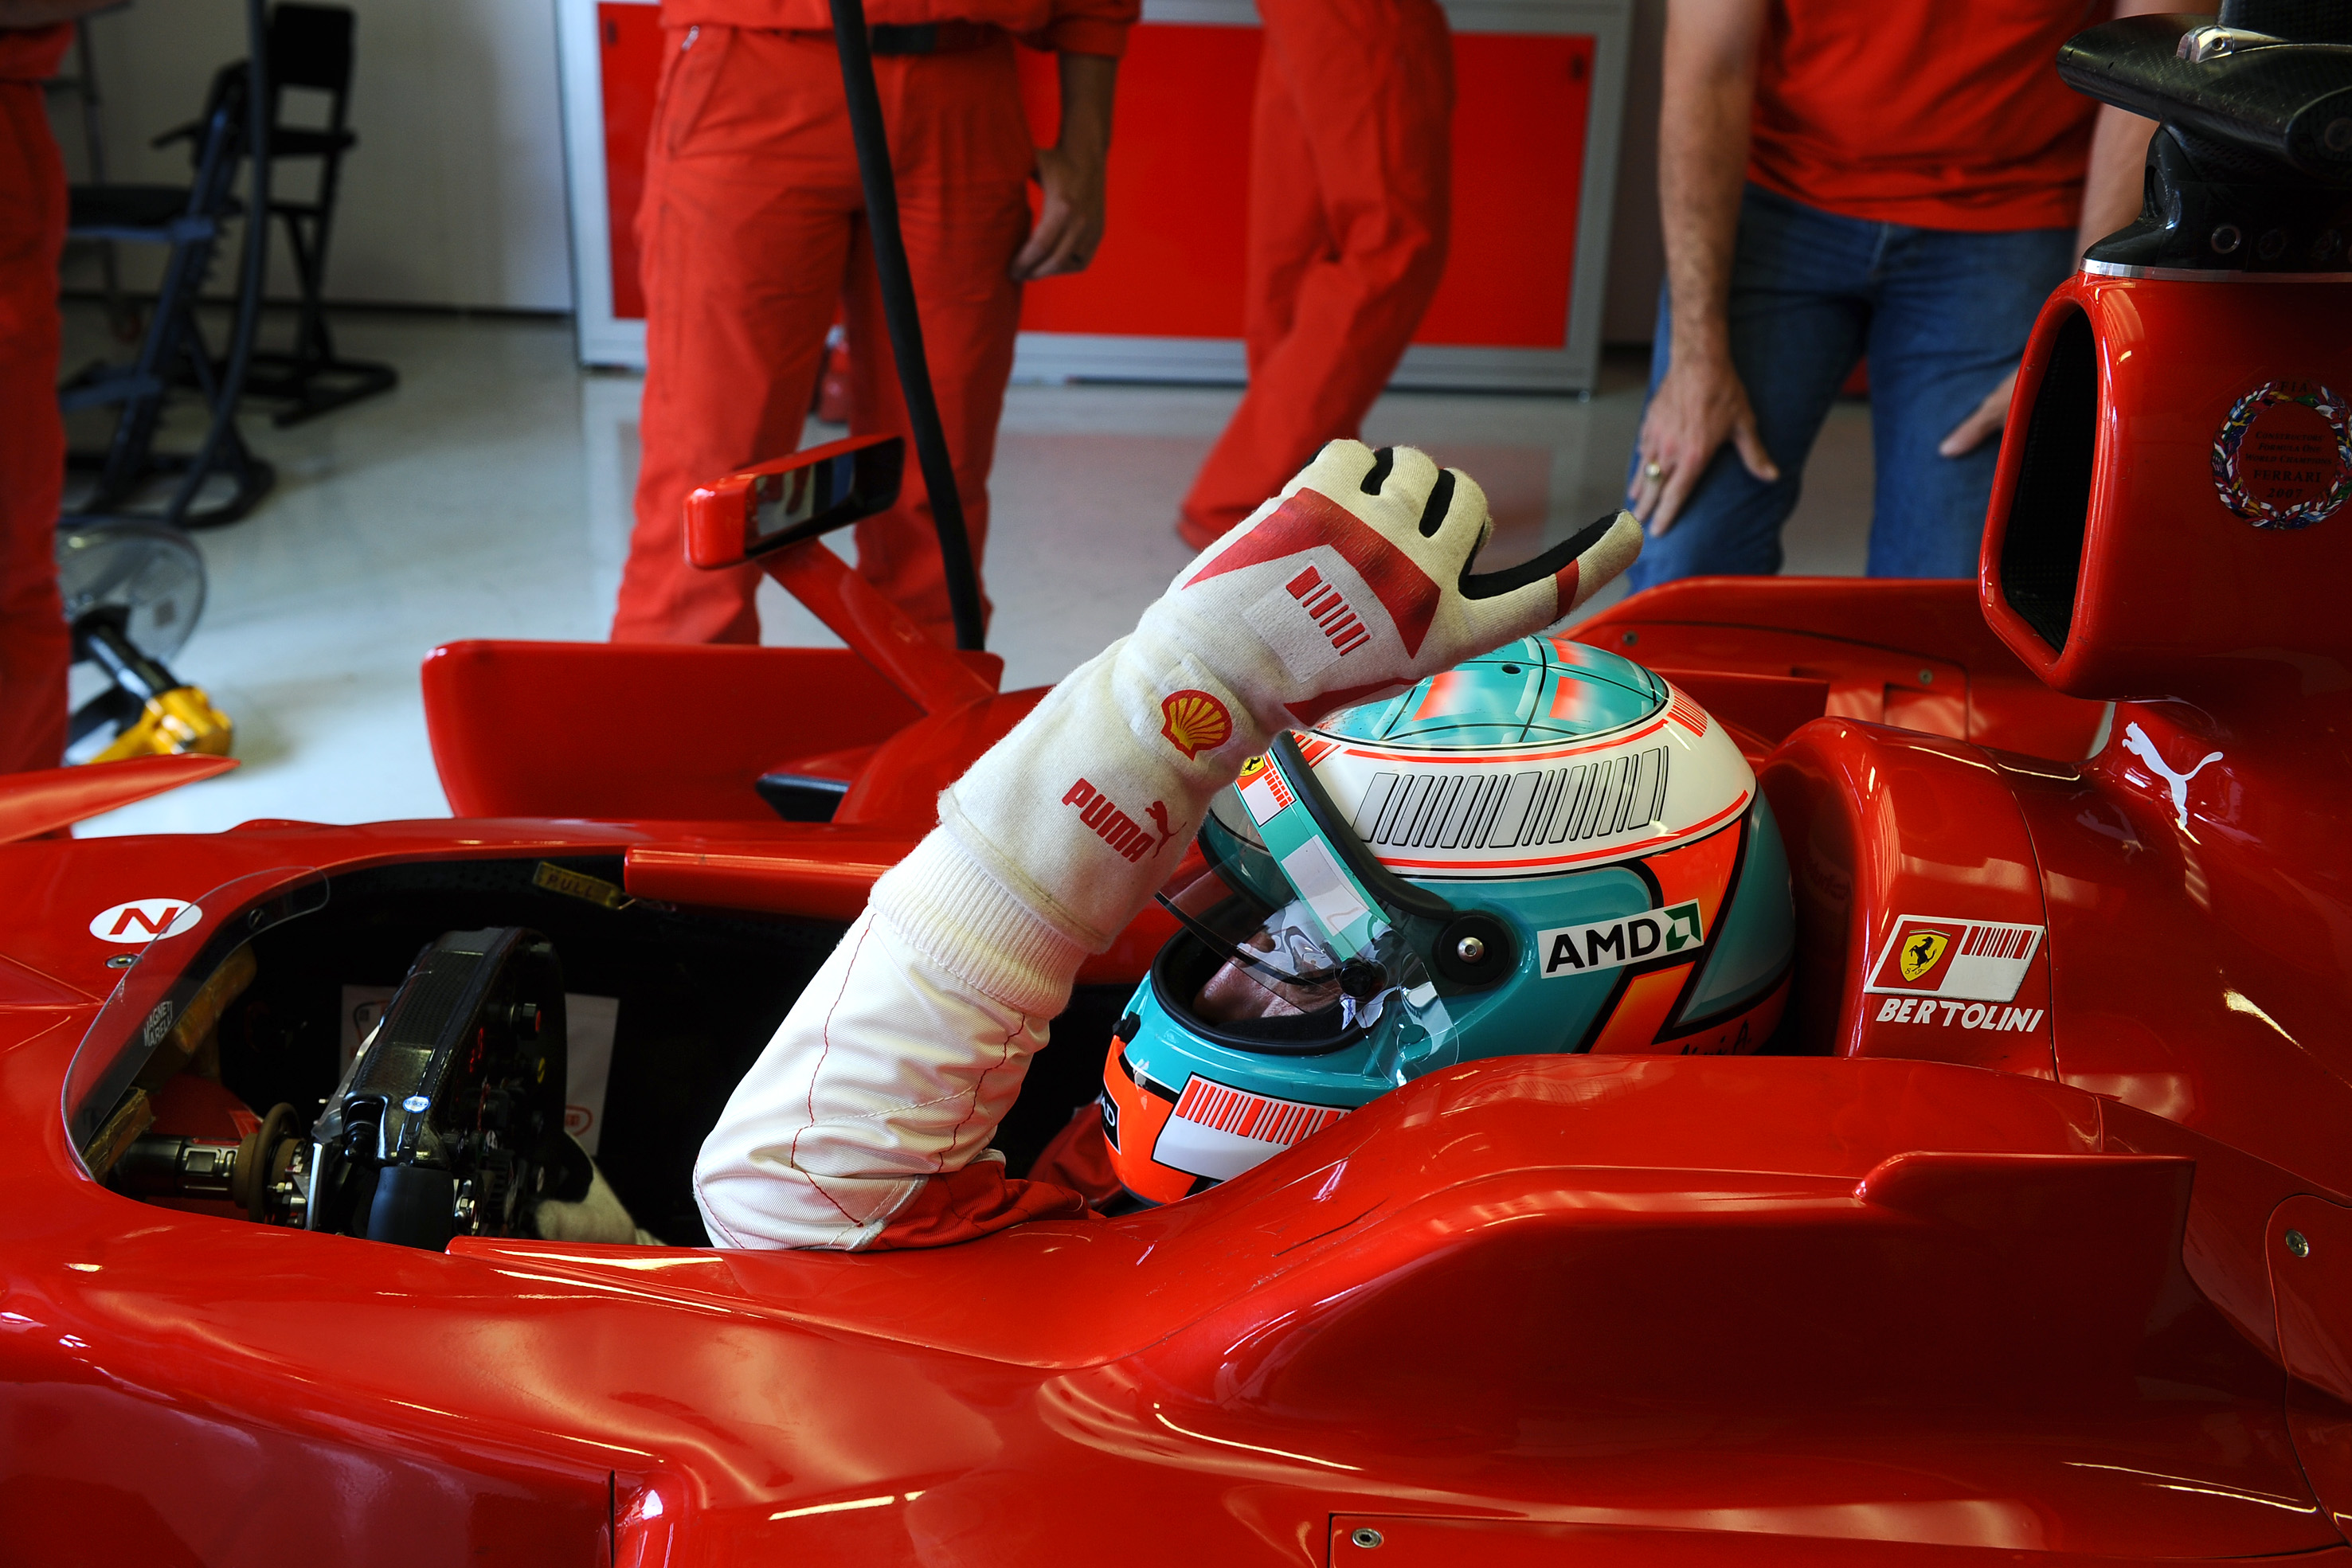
{"points": [[1521, 105], [1170, 263], [1171, 260]]}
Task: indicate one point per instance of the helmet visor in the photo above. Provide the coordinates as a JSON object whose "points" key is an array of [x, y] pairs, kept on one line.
{"points": [[1290, 936]]}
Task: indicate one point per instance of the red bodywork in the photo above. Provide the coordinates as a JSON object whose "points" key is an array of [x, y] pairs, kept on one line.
{"points": [[1952, 1288]]}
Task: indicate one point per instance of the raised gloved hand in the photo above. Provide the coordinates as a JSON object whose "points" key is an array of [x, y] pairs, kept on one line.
{"points": [[1356, 581], [865, 1122]]}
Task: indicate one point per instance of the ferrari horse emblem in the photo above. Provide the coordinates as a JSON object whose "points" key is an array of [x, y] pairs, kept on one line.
{"points": [[1920, 953]]}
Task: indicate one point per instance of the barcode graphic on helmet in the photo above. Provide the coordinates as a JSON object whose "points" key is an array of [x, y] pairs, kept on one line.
{"points": [[1498, 811], [1998, 941], [1248, 1115], [1686, 713]]}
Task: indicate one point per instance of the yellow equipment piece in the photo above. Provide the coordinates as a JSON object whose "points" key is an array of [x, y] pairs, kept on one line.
{"points": [[181, 719]]}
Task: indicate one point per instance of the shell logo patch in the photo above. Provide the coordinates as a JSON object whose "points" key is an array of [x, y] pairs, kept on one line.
{"points": [[1966, 960], [1195, 722], [1920, 951]]}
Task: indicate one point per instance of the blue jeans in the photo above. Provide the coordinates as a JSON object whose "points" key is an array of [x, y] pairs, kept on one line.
{"points": [[1942, 315]]}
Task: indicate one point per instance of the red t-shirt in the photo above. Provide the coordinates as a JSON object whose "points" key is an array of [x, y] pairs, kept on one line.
{"points": [[1944, 114], [1071, 26], [34, 54]]}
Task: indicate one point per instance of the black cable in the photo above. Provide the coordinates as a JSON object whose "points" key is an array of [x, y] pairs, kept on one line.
{"points": [[254, 263], [864, 102]]}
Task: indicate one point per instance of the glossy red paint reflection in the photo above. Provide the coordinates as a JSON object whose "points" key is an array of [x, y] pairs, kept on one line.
{"points": [[1928, 1284]]}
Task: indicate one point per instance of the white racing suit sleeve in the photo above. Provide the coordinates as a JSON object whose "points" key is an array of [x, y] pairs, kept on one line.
{"points": [[865, 1122], [891, 1070]]}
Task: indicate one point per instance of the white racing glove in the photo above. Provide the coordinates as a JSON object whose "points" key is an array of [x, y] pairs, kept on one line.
{"points": [[862, 1122], [600, 1216]]}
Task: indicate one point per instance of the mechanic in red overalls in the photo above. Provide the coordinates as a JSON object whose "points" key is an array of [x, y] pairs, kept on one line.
{"points": [[35, 648], [752, 233], [1350, 164]]}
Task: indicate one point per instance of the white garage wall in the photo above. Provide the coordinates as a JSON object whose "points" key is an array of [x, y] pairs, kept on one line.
{"points": [[455, 194], [1637, 253]]}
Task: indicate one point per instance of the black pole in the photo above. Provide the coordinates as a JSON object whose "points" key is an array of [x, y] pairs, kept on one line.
{"points": [[255, 261], [865, 102]]}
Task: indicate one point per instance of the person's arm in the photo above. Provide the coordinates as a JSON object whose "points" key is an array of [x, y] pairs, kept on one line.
{"points": [[17, 14], [2112, 185], [866, 1120], [2111, 196], [1709, 91], [1070, 226]]}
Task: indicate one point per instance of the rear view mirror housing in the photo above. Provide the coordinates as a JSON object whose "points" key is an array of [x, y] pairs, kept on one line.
{"points": [[758, 510]]}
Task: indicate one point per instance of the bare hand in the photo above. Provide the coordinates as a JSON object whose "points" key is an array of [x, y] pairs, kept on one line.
{"points": [[1985, 423], [1070, 224], [1699, 405]]}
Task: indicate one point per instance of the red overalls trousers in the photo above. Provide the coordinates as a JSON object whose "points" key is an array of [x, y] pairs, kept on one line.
{"points": [[35, 648], [753, 231], [1350, 164]]}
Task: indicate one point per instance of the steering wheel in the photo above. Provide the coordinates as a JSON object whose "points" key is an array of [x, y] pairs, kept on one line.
{"points": [[450, 1119]]}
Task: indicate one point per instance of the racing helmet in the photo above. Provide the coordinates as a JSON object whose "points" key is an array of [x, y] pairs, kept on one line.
{"points": [[1549, 849]]}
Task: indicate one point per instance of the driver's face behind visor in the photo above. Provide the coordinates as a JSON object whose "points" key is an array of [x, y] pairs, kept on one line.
{"points": [[1240, 989], [1279, 959]]}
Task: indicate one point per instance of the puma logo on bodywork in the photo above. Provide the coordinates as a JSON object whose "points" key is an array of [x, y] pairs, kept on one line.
{"points": [[2136, 742]]}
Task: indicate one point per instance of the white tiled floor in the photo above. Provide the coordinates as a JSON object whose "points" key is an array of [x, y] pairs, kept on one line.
{"points": [[487, 498]]}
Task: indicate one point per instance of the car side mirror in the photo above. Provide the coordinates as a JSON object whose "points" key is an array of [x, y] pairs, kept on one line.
{"points": [[761, 510]]}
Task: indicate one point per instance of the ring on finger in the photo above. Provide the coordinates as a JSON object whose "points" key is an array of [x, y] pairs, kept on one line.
{"points": [[1652, 471]]}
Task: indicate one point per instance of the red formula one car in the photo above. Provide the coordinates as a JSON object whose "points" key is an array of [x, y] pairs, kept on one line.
{"points": [[2026, 1241]]}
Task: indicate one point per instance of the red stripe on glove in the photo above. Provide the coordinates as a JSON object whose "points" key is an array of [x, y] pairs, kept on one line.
{"points": [[1307, 519]]}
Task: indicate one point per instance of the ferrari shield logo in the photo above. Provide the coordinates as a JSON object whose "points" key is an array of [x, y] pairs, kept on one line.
{"points": [[1920, 953], [1975, 960]]}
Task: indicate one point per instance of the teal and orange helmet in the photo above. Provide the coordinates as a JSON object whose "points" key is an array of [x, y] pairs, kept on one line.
{"points": [[1546, 850]]}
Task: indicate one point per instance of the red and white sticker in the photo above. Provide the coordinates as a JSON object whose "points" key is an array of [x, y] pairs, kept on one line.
{"points": [[1218, 1131], [1263, 792], [1685, 712], [1225, 1109], [1965, 960], [144, 919]]}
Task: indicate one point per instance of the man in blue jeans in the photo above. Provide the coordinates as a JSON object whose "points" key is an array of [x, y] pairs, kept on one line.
{"points": [[1904, 182]]}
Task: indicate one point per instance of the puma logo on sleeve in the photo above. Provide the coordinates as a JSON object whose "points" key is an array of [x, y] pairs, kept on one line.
{"points": [[1116, 828]]}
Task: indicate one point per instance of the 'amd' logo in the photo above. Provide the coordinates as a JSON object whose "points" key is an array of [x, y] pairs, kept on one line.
{"points": [[1613, 943]]}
